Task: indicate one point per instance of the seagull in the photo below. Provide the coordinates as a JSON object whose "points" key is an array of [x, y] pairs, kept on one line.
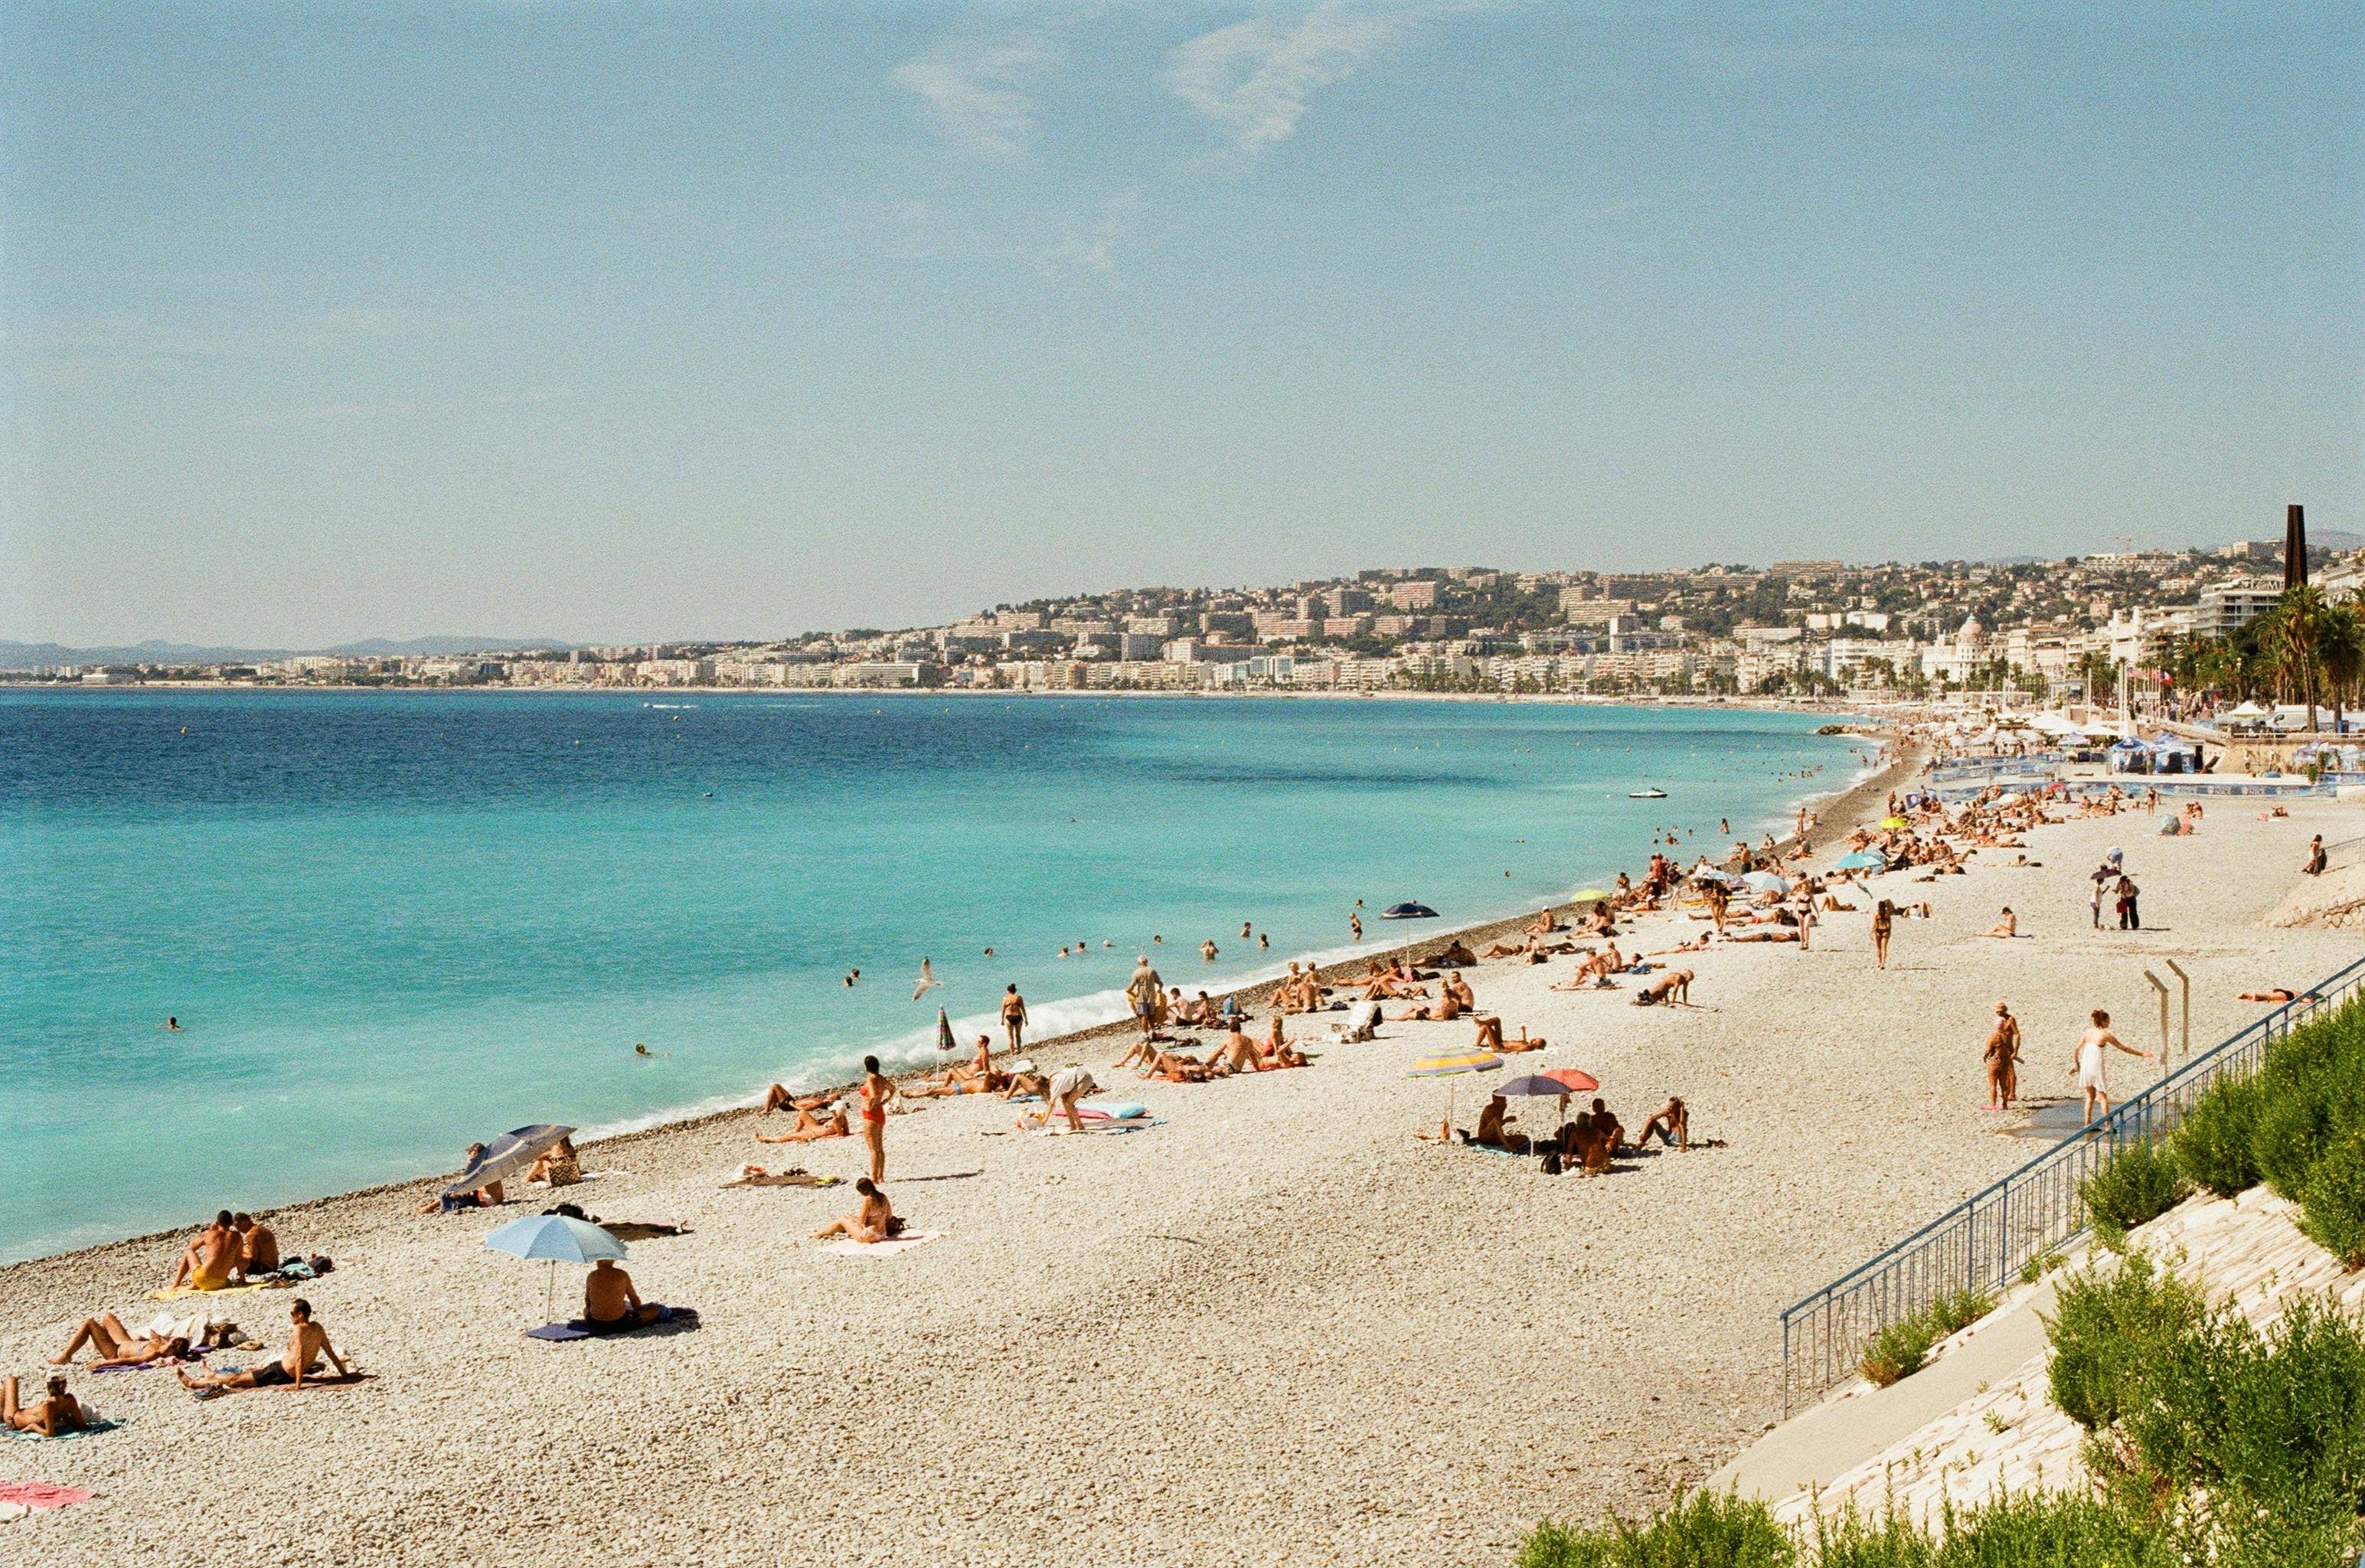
{"points": [[927, 979]]}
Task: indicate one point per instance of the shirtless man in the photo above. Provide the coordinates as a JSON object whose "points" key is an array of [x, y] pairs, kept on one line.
{"points": [[1673, 988], [976, 1076], [1491, 1127], [1142, 994], [1454, 999], [1673, 1125], [811, 1128], [2003, 1059], [258, 1250], [206, 1265], [610, 1302], [778, 1099], [874, 1222], [1013, 1016], [307, 1343], [1607, 1126], [1235, 1053], [60, 1412], [116, 1345]]}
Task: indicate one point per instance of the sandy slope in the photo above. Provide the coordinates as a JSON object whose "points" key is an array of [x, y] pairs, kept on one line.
{"points": [[1276, 1329]]}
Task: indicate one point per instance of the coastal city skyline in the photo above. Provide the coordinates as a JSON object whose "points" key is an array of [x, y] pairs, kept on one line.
{"points": [[1801, 627]]}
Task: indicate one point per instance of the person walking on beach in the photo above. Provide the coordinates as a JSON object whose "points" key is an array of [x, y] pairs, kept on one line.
{"points": [[2003, 1059], [2093, 1048], [1013, 1016], [2316, 858], [2129, 919], [877, 1089], [1143, 992], [1884, 917], [2100, 878]]}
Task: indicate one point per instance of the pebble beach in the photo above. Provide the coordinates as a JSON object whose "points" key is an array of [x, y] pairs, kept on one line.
{"points": [[1278, 1328]]}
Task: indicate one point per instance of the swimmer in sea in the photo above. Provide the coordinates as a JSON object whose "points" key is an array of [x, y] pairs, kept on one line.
{"points": [[173, 1023], [639, 1049]]}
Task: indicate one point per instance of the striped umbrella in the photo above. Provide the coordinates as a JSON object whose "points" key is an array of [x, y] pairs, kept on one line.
{"points": [[1447, 1066]]}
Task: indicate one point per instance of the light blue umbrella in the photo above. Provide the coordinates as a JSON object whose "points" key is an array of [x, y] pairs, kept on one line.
{"points": [[1766, 882], [557, 1239], [1863, 860]]}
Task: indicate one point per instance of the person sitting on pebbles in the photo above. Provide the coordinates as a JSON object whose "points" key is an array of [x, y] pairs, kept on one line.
{"points": [[307, 1343], [60, 1412], [874, 1221]]}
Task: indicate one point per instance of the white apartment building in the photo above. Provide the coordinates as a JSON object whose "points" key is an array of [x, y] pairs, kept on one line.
{"points": [[2225, 608]]}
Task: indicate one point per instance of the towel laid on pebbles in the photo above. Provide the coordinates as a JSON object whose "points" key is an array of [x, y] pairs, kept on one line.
{"points": [[582, 1328], [758, 1177], [91, 1426], [846, 1246], [41, 1495]]}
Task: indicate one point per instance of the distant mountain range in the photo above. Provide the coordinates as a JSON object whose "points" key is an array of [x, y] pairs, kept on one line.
{"points": [[31, 656]]}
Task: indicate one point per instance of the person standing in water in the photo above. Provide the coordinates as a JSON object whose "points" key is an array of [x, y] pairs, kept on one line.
{"points": [[1355, 925], [1013, 1016], [877, 1089]]}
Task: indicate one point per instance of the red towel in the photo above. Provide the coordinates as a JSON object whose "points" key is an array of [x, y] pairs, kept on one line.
{"points": [[39, 1495]]}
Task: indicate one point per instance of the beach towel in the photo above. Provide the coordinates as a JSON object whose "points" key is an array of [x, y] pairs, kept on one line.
{"points": [[1059, 1128], [40, 1494], [784, 1178], [846, 1246], [1114, 1110], [175, 1292], [580, 1328], [91, 1426], [191, 1359]]}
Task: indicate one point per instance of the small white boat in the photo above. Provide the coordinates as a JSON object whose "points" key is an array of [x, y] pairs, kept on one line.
{"points": [[1646, 794]]}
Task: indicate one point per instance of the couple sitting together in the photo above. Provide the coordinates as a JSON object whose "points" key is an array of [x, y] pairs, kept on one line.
{"points": [[234, 1248], [1299, 992]]}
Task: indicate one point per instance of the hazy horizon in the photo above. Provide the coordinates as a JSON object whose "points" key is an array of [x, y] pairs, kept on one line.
{"points": [[687, 321]]}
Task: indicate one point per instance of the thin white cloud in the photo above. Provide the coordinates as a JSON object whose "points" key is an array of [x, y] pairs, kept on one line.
{"points": [[979, 92], [1255, 78]]}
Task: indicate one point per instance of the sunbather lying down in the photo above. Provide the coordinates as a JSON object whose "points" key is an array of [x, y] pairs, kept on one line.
{"points": [[811, 1128], [117, 1346], [2275, 993]]}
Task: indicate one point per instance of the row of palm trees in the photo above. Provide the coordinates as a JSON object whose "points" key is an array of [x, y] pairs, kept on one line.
{"points": [[2308, 650]]}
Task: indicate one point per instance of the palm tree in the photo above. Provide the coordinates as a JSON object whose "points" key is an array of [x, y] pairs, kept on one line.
{"points": [[2340, 652], [2298, 619]]}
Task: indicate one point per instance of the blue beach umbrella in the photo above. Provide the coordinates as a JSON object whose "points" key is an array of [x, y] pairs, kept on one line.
{"points": [[1863, 860], [558, 1239], [1766, 882]]}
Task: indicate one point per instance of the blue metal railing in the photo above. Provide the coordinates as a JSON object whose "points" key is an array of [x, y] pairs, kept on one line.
{"points": [[1983, 1242]]}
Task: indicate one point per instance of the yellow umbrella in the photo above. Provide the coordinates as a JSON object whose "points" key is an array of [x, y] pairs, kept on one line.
{"points": [[1893, 822], [1467, 1060]]}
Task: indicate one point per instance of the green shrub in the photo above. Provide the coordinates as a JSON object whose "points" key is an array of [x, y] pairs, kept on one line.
{"points": [[2333, 1204], [2312, 1082], [2213, 1145], [2106, 1326], [1704, 1531], [1901, 1348], [2039, 1530], [2291, 1409], [2138, 1182]]}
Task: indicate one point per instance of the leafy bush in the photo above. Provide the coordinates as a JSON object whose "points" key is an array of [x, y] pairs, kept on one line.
{"points": [[1705, 1531], [2291, 1414], [2212, 1145], [2106, 1326], [1901, 1348], [2040, 1531], [2333, 1204], [2137, 1183], [2312, 1082]]}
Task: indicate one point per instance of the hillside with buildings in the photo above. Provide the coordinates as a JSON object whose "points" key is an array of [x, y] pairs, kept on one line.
{"points": [[2048, 628]]}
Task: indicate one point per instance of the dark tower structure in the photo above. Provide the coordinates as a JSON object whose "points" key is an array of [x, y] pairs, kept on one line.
{"points": [[2294, 548]]}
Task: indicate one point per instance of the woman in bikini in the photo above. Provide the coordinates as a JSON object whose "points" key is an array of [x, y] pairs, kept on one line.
{"points": [[1884, 917], [877, 1089]]}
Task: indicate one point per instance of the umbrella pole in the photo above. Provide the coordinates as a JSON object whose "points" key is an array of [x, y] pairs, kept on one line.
{"points": [[550, 1294]]}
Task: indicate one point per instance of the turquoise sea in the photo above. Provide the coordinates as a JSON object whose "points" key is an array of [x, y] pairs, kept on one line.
{"points": [[390, 923]]}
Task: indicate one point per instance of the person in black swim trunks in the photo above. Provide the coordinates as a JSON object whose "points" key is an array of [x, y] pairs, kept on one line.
{"points": [[305, 1345]]}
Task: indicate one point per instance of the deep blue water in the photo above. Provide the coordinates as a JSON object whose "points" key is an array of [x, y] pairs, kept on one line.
{"points": [[393, 923]]}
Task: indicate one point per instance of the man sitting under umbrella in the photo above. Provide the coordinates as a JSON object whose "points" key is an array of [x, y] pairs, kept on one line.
{"points": [[610, 1304]]}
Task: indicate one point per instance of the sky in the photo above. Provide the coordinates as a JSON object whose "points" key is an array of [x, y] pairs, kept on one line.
{"points": [[623, 321]]}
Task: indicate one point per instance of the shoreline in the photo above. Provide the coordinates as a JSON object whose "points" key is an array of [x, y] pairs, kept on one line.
{"points": [[1278, 1295], [1836, 813]]}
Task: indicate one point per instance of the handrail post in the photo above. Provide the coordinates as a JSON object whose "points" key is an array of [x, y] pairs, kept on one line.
{"points": [[2185, 1048], [2160, 986]]}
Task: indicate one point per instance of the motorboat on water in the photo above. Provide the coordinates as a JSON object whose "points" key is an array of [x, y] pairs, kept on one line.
{"points": [[1646, 794]]}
